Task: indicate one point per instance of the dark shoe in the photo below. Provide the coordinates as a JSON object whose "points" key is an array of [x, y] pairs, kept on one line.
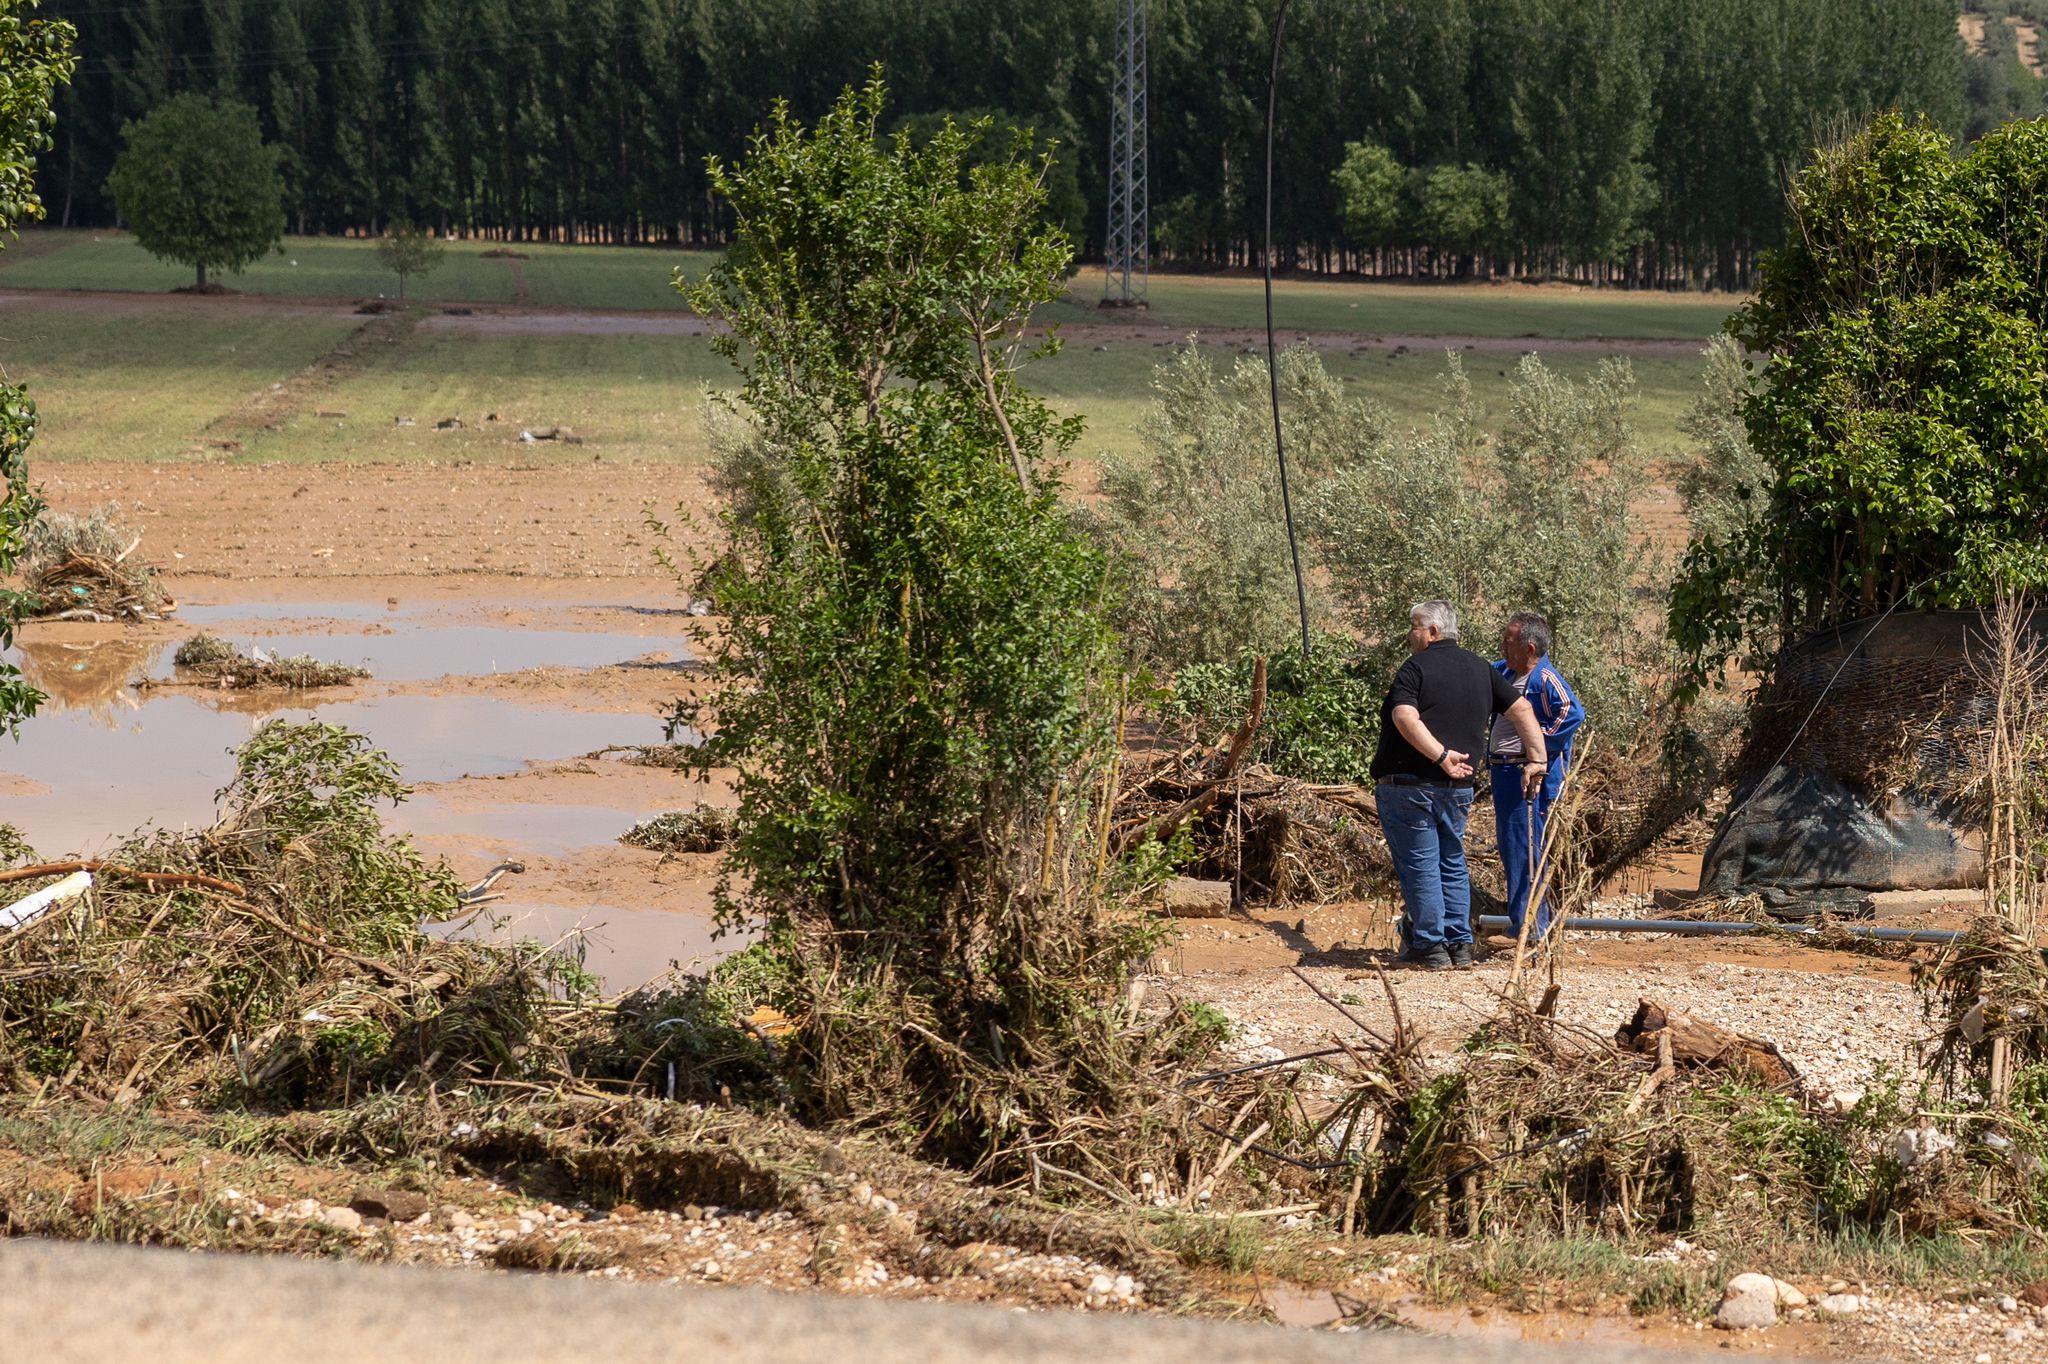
{"points": [[1425, 959], [1461, 955]]}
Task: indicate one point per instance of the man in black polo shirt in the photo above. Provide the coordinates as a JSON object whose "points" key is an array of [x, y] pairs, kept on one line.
{"points": [[1434, 719]]}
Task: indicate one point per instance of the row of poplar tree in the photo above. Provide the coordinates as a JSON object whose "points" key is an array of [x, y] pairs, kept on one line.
{"points": [[1647, 141]]}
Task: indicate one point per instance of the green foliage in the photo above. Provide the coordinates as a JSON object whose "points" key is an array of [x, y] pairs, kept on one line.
{"points": [[412, 110], [35, 61], [911, 680], [1371, 188], [198, 186], [1463, 209], [1537, 518], [1194, 523], [992, 137], [407, 250], [1901, 415], [1322, 714]]}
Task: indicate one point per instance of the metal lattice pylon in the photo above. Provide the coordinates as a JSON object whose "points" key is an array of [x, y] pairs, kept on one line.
{"points": [[1127, 258]]}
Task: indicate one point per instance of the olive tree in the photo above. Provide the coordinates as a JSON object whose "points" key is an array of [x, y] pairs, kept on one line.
{"points": [[197, 185]]}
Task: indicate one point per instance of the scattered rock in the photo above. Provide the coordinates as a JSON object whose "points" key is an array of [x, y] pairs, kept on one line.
{"points": [[2035, 1294], [1789, 1295], [1183, 897], [1749, 1300], [341, 1219], [393, 1205], [448, 424], [1841, 1304], [403, 421]]}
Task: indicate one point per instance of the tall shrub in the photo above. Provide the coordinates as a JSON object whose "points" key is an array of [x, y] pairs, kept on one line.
{"points": [[910, 679], [1900, 414]]}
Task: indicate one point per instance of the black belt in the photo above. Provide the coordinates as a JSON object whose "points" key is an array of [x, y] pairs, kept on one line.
{"points": [[1409, 779]]}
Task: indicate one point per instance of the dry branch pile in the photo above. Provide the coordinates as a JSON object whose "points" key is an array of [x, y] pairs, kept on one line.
{"points": [[221, 663], [277, 955], [705, 829], [85, 568]]}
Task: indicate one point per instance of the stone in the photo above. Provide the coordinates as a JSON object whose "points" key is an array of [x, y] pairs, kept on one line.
{"points": [[2008, 1304], [2035, 1294], [341, 1219], [1749, 1300], [1788, 1295], [393, 1205], [1183, 897], [1841, 1304]]}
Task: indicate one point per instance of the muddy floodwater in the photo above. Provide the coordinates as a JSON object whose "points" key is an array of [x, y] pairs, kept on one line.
{"points": [[489, 712]]}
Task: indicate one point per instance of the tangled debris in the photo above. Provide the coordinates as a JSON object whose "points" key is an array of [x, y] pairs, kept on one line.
{"points": [[216, 660], [705, 829], [85, 568], [276, 955]]}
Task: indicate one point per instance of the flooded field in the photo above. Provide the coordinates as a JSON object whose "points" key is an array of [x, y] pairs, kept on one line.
{"points": [[488, 707]]}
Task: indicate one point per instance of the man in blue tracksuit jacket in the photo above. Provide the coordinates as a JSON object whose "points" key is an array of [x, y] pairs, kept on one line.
{"points": [[1525, 642]]}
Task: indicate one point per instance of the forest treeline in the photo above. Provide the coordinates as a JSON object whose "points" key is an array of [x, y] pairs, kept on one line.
{"points": [[1639, 141]]}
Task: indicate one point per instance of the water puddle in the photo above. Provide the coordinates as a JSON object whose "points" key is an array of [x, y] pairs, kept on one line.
{"points": [[108, 773], [623, 947], [531, 828], [420, 653], [87, 675]]}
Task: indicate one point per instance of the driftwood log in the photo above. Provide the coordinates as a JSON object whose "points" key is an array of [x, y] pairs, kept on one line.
{"points": [[1696, 1042]]}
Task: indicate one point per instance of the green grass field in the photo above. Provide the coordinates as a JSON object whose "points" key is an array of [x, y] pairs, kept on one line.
{"points": [[117, 385], [151, 382], [1197, 301], [334, 267], [638, 278]]}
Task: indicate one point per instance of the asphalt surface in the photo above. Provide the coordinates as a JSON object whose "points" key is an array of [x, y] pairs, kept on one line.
{"points": [[61, 1303]]}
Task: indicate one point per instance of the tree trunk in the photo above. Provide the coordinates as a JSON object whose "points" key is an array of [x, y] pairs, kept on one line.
{"points": [[202, 278]]}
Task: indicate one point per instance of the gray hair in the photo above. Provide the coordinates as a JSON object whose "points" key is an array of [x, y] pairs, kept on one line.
{"points": [[1440, 616], [1535, 631]]}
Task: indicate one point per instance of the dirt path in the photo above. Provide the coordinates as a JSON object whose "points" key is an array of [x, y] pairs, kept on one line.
{"points": [[519, 319]]}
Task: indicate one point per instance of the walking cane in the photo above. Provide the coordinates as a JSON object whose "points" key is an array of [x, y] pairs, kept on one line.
{"points": [[1522, 935]]}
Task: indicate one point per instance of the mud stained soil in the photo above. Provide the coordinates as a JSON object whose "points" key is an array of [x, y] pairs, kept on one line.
{"points": [[580, 519]]}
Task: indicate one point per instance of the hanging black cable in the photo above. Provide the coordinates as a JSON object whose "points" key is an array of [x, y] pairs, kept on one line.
{"points": [[1272, 350]]}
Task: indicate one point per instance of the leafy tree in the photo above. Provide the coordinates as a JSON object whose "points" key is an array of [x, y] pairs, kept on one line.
{"points": [[1371, 190], [407, 250], [35, 59], [199, 186], [1463, 210], [910, 680], [1900, 415]]}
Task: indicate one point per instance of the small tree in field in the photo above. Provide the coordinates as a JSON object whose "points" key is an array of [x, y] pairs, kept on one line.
{"points": [[35, 58], [407, 250], [909, 684], [198, 186]]}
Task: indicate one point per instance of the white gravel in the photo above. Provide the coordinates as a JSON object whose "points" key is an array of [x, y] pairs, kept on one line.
{"points": [[1837, 1028]]}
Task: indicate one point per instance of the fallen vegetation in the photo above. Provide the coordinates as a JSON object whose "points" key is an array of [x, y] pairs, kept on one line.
{"points": [[221, 663], [85, 568], [705, 829]]}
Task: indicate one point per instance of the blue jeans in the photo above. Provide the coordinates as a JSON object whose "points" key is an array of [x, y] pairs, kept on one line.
{"points": [[1425, 829], [1512, 832]]}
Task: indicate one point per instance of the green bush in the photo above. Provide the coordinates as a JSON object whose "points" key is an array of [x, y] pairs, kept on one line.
{"points": [[1900, 413], [1536, 518], [913, 681]]}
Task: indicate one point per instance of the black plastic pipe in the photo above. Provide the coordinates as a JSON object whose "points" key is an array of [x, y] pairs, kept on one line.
{"points": [[1704, 928]]}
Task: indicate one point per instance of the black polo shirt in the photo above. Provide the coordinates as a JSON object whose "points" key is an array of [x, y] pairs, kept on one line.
{"points": [[1457, 694]]}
